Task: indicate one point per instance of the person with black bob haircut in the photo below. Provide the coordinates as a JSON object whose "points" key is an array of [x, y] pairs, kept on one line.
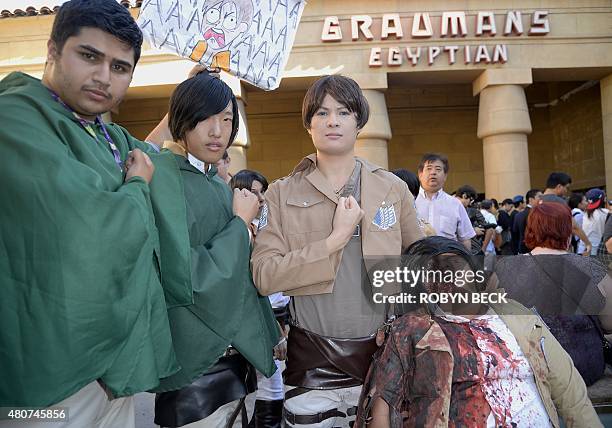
{"points": [[229, 328], [469, 364]]}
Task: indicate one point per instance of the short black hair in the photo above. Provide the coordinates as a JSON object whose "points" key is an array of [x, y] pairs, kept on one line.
{"points": [[342, 89], [244, 178], [575, 199], [197, 99], [486, 204], [410, 179], [467, 190], [106, 15], [531, 194], [432, 157], [556, 178], [507, 201]]}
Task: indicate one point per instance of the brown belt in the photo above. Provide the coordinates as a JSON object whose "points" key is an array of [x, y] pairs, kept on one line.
{"points": [[317, 418], [321, 362]]}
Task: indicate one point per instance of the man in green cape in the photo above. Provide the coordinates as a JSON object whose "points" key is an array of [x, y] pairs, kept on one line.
{"points": [[86, 232], [228, 318]]}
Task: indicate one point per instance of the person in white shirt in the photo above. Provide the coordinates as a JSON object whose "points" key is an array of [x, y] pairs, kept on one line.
{"points": [[488, 246], [445, 213], [594, 221], [486, 207]]}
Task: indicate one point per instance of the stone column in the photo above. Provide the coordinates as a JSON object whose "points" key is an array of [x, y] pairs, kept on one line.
{"points": [[606, 112], [503, 126], [372, 140], [238, 150]]}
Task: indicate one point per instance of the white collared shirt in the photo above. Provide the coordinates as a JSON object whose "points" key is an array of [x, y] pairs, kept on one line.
{"points": [[446, 214]]}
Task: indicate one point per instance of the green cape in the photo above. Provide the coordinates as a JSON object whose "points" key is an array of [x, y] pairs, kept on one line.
{"points": [[227, 309], [79, 256]]}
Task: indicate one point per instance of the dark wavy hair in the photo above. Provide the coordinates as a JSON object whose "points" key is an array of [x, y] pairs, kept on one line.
{"points": [[196, 99], [108, 16]]}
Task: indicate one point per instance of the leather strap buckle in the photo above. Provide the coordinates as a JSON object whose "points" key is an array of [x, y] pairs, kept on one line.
{"points": [[294, 419]]}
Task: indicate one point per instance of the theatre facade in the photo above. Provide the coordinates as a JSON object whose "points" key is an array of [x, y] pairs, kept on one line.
{"points": [[509, 90]]}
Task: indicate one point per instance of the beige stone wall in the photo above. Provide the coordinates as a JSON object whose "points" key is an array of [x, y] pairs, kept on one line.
{"points": [[579, 36], [140, 116], [437, 118], [578, 139], [278, 139]]}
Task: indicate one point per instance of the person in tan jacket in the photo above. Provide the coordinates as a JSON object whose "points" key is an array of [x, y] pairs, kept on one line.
{"points": [[322, 224]]}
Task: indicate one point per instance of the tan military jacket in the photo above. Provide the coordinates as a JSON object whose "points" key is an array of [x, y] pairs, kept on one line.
{"points": [[290, 254]]}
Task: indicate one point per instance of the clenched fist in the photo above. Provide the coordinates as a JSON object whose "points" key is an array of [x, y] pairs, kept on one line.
{"points": [[246, 205], [139, 164], [346, 218]]}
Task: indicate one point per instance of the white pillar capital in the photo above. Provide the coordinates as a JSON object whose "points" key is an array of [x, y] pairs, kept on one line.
{"points": [[502, 110], [502, 76]]}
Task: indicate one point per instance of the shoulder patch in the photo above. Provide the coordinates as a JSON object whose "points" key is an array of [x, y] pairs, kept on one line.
{"points": [[385, 217]]}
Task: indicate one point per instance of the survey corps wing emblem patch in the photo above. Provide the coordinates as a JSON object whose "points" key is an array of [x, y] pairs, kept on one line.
{"points": [[385, 217]]}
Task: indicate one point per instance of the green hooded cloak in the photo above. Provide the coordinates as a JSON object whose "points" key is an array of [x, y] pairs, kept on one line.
{"points": [[79, 256], [227, 308]]}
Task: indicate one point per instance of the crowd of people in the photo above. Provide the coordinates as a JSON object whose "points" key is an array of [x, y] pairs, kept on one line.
{"points": [[132, 266]]}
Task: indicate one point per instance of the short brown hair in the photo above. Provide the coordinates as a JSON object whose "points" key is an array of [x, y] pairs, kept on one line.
{"points": [[549, 225], [341, 88]]}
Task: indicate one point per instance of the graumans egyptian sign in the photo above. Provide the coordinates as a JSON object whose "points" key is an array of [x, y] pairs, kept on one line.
{"points": [[452, 26]]}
